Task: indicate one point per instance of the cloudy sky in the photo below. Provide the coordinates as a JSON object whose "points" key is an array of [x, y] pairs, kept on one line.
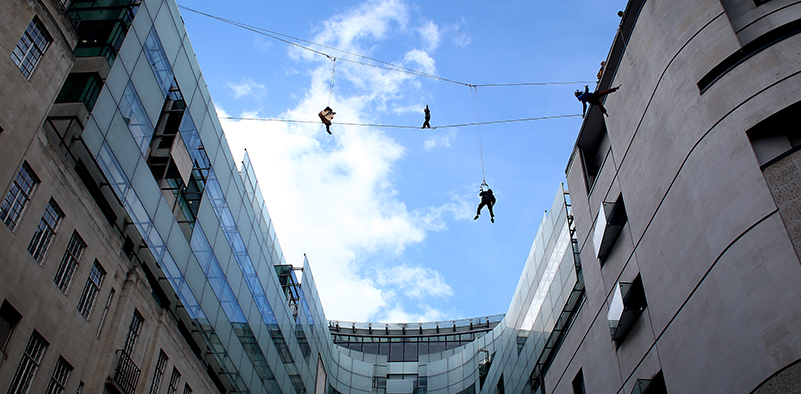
{"points": [[385, 214]]}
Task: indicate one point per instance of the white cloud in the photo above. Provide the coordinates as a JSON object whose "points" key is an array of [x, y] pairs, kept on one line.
{"points": [[457, 34], [430, 34], [439, 139], [421, 58], [247, 88], [416, 282]]}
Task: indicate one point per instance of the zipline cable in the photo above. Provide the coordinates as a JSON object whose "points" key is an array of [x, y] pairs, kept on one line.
{"points": [[404, 127], [387, 65]]}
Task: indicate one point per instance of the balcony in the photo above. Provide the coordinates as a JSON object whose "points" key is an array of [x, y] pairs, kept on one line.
{"points": [[126, 375]]}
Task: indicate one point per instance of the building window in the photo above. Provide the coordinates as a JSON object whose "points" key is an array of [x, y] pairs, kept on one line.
{"points": [[44, 232], [187, 389], [90, 291], [578, 383], [8, 320], [174, 378], [28, 365], [160, 365], [18, 196], [69, 262], [59, 379], [31, 47], [611, 219], [627, 304]]}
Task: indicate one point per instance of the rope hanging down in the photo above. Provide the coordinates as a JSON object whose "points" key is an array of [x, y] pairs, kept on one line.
{"points": [[474, 95], [331, 83]]}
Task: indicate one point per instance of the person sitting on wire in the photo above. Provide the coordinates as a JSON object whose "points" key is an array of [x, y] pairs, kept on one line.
{"points": [[327, 115], [593, 98], [426, 125], [488, 199]]}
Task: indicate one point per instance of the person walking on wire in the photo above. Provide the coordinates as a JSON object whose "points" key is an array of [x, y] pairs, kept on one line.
{"points": [[488, 199], [426, 125], [593, 98]]}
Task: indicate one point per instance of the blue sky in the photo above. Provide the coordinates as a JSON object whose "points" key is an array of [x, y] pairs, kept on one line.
{"points": [[385, 215]]}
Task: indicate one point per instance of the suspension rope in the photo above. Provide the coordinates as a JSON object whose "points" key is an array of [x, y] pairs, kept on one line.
{"points": [[382, 64], [331, 83], [404, 127], [474, 95]]}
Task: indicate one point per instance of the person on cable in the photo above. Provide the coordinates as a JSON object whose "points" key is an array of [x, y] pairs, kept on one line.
{"points": [[326, 116], [488, 199], [593, 98], [426, 125]]}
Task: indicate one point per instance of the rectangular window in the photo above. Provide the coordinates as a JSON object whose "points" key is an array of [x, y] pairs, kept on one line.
{"points": [[45, 230], [160, 365], [578, 383], [59, 379], [69, 262], [18, 196], [89, 294], [31, 47], [187, 389], [28, 365], [133, 332], [174, 378], [8, 320]]}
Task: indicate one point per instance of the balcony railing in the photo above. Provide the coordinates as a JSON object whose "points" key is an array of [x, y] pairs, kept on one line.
{"points": [[127, 373]]}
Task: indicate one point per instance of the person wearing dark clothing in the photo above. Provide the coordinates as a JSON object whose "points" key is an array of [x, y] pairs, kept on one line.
{"points": [[593, 98], [488, 199], [326, 116], [426, 125]]}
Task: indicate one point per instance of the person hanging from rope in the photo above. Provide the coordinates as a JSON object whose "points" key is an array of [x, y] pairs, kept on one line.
{"points": [[426, 125], [488, 199], [593, 98], [327, 115]]}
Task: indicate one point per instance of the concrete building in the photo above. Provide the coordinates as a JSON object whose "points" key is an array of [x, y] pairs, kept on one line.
{"points": [[134, 248], [686, 203]]}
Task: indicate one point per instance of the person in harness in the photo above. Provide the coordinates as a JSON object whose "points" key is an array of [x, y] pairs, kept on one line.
{"points": [[427, 125], [488, 199], [593, 98], [326, 116]]}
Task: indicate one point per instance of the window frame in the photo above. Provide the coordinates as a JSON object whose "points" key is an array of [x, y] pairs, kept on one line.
{"points": [[93, 284], [45, 230], [21, 190], [61, 374], [69, 263], [29, 364], [31, 47]]}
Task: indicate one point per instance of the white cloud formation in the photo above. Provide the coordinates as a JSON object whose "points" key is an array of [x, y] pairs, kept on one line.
{"points": [[458, 34], [421, 58], [332, 196], [247, 87], [439, 139], [416, 282], [430, 35]]}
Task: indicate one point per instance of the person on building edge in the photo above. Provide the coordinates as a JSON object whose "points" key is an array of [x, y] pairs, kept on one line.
{"points": [[593, 98], [488, 199]]}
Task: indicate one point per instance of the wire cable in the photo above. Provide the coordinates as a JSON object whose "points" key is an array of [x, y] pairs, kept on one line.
{"points": [[382, 64], [404, 127]]}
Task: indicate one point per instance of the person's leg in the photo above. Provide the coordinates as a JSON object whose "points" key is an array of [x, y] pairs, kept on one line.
{"points": [[478, 211], [492, 215], [603, 110]]}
